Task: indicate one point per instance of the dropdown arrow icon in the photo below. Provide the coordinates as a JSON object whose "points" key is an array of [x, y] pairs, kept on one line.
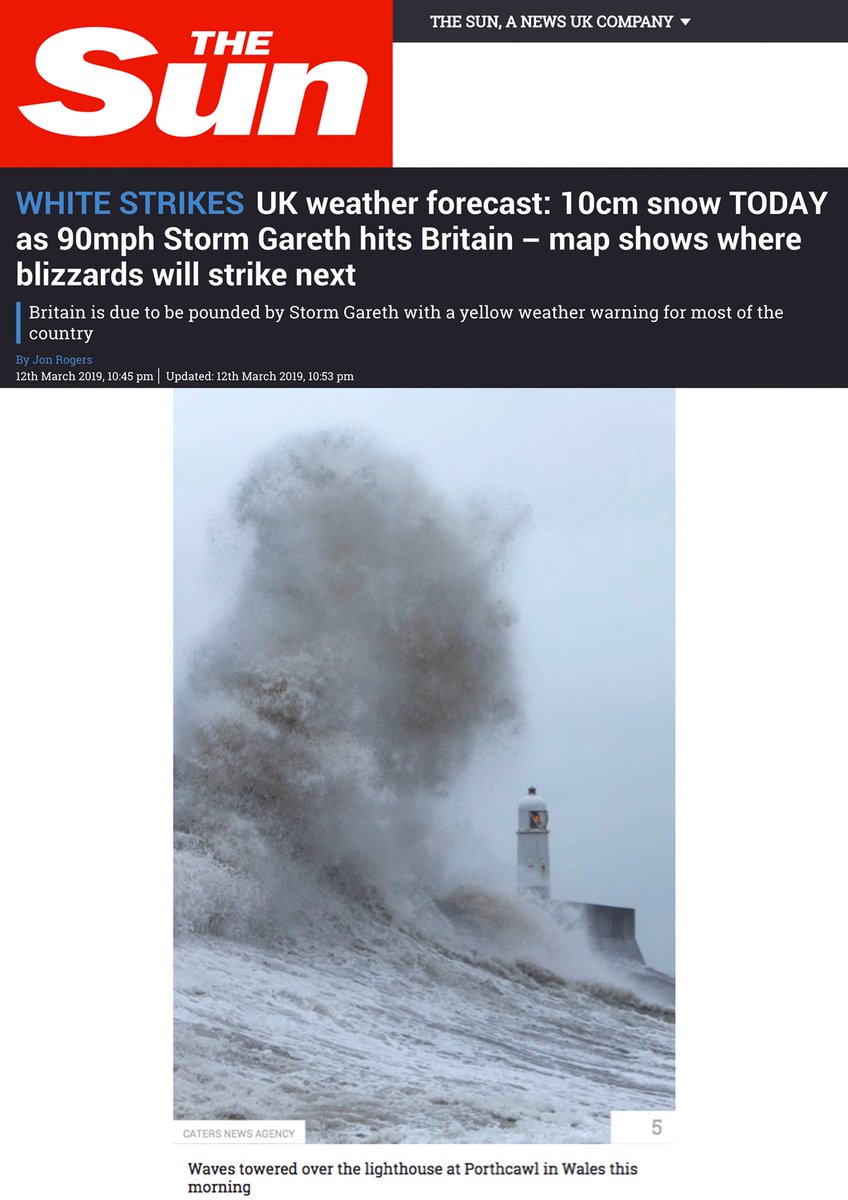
{"points": [[685, 20]]}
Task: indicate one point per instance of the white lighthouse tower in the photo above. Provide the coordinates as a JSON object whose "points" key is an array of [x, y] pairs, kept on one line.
{"points": [[534, 866]]}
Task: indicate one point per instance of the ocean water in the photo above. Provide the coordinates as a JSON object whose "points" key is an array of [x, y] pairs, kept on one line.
{"points": [[379, 1032], [339, 958]]}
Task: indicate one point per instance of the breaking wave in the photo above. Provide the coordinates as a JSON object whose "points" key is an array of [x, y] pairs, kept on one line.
{"points": [[326, 717], [334, 963]]}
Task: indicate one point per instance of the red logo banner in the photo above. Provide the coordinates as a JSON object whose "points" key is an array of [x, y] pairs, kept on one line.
{"points": [[200, 84]]}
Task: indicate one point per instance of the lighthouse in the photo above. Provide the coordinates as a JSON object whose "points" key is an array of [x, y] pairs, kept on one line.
{"points": [[534, 866]]}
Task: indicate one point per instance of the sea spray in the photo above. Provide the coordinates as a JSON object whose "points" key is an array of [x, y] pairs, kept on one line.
{"points": [[367, 647]]}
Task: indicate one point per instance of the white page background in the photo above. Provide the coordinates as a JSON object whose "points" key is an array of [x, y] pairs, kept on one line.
{"points": [[762, 664]]}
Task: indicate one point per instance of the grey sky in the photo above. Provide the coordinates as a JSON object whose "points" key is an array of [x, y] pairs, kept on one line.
{"points": [[591, 578]]}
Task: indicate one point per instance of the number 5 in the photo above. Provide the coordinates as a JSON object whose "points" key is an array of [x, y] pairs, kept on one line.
{"points": [[656, 1126]]}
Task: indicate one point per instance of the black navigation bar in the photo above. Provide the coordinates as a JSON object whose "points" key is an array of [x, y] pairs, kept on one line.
{"points": [[621, 21]]}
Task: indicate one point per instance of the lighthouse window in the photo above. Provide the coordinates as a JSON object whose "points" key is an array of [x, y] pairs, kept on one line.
{"points": [[538, 820]]}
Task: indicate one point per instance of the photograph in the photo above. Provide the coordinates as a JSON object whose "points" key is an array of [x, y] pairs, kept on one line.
{"points": [[424, 761]]}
